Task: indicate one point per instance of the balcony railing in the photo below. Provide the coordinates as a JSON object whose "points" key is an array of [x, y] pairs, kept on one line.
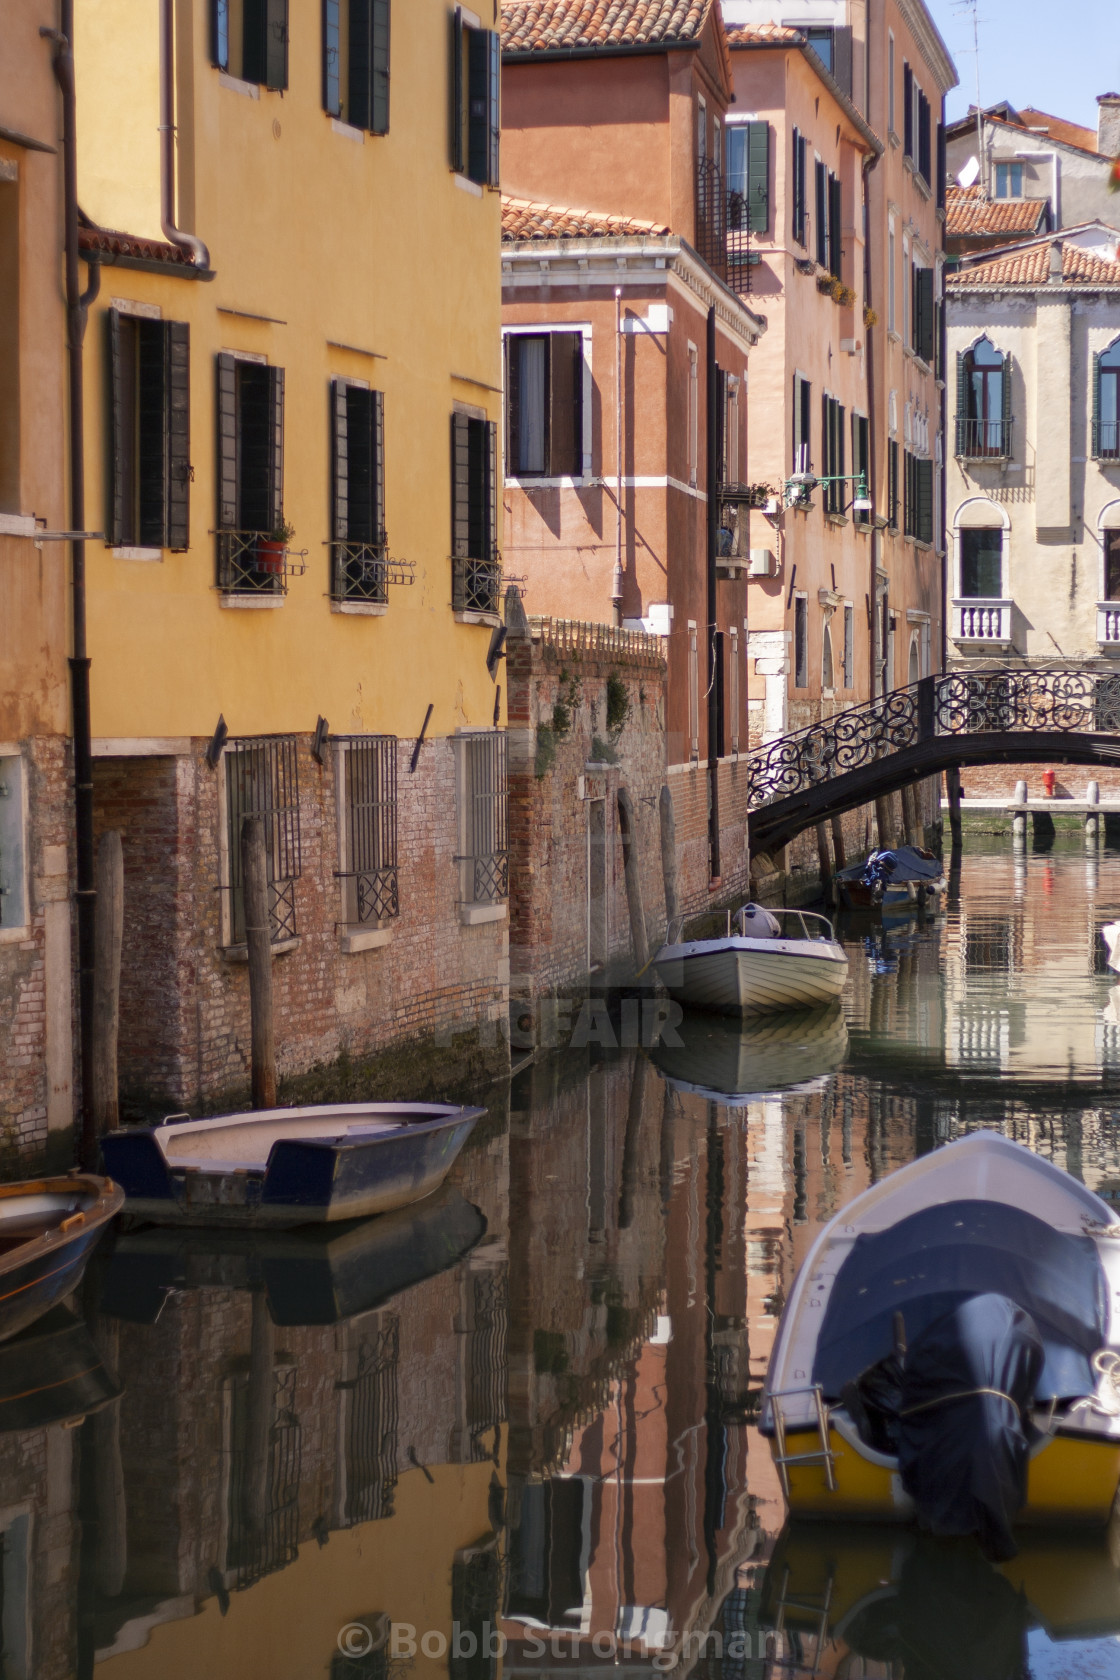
{"points": [[476, 585], [364, 571], [734, 548], [1108, 625], [250, 563], [722, 227], [982, 620], [983, 440], [1106, 440]]}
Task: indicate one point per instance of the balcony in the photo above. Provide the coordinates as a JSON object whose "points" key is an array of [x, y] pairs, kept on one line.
{"points": [[980, 622], [1106, 440], [983, 440], [1108, 626]]}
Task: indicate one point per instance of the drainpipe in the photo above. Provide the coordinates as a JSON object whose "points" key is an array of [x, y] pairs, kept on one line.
{"points": [[713, 549], [617, 580], [876, 542], [187, 242]]}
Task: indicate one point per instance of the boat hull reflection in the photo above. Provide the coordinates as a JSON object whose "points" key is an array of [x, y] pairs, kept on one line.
{"points": [[318, 1275], [733, 1062], [52, 1373]]}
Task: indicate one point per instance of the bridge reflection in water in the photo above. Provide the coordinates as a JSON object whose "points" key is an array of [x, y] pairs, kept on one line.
{"points": [[544, 1429]]}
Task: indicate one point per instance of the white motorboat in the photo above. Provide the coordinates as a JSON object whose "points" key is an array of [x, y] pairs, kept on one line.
{"points": [[1110, 933], [767, 960], [735, 1062]]}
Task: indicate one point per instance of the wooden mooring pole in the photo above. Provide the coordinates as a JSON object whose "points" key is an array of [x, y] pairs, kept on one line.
{"points": [[258, 940], [629, 833], [107, 940], [824, 862], [839, 850], [668, 854], [953, 793]]}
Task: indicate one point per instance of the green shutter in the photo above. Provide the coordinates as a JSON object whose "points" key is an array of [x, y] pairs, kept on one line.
{"points": [[458, 83], [1096, 444], [177, 389], [835, 227], [377, 459], [118, 439], [758, 177], [227, 443], [276, 44], [491, 490], [276, 443], [460, 486], [1007, 407], [962, 403], [379, 67], [340, 462], [494, 106], [332, 49]]}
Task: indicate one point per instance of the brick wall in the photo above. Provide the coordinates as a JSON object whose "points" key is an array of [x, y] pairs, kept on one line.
{"points": [[1071, 781]]}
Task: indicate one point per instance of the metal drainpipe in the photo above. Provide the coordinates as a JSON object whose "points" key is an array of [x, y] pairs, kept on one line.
{"points": [[872, 434], [188, 242], [617, 582], [713, 548]]}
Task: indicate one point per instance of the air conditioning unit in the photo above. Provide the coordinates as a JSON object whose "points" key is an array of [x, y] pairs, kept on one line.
{"points": [[762, 563]]}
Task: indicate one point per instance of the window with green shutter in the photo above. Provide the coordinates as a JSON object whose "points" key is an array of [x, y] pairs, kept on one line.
{"points": [[821, 198], [149, 432], [359, 544], [799, 193], [1106, 404], [748, 177], [249, 40], [984, 403], [475, 563], [250, 476], [476, 76], [356, 62], [835, 228]]}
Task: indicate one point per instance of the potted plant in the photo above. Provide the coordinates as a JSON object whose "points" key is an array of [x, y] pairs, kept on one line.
{"points": [[761, 495], [271, 549]]}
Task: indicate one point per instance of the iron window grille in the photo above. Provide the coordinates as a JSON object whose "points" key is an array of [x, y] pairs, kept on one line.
{"points": [[262, 781], [369, 833], [371, 1427], [149, 432], [724, 221], [485, 817], [263, 1531], [361, 566], [476, 1607], [476, 567], [250, 559]]}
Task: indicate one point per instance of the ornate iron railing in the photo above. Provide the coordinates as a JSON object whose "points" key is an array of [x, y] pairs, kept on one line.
{"points": [[364, 571], [983, 440], [963, 702], [249, 563]]}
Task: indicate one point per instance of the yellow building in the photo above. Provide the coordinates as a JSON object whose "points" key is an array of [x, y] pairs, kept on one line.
{"points": [[292, 383]]}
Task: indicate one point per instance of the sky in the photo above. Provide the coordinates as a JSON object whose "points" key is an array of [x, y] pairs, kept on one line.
{"points": [[1056, 58]]}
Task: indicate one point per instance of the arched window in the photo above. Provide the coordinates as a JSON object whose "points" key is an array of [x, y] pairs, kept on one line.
{"points": [[915, 671], [827, 672], [980, 551], [983, 403], [1106, 405], [1110, 552]]}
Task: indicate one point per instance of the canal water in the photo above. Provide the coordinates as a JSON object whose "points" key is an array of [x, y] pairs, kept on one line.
{"points": [[513, 1430]]}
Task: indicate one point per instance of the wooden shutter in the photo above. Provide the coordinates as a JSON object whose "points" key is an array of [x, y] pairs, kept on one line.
{"points": [[120, 441], [377, 463], [332, 57], [490, 458], [458, 82], [826, 439], [478, 105], [923, 313], [798, 187], [842, 59], [942, 166], [227, 443], [276, 445], [276, 44], [512, 349], [925, 500], [758, 177], [494, 106], [340, 462], [1096, 388], [1006, 382], [907, 111], [822, 214], [177, 388], [565, 387], [460, 486], [835, 227], [718, 678], [379, 67], [358, 77]]}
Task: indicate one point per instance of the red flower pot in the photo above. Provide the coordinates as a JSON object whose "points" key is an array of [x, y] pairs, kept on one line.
{"points": [[269, 556]]}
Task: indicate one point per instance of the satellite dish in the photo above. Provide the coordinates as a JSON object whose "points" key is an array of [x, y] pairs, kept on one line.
{"points": [[968, 175]]}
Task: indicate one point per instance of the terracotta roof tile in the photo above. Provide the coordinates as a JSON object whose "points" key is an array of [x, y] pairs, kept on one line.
{"points": [[766, 35], [1030, 266], [133, 245], [549, 25], [1058, 128], [969, 214], [522, 219]]}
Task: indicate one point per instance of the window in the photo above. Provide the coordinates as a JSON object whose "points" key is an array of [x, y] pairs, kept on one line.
{"points": [[893, 498], [861, 463], [907, 111], [250, 476], [834, 49], [149, 432], [748, 177], [799, 184], [475, 564], [356, 62], [821, 179], [261, 780], [717, 680], [892, 277], [367, 779], [693, 693], [802, 412], [693, 414], [918, 488], [982, 562], [701, 130], [732, 458], [924, 159], [10, 250], [14, 908], [249, 39], [835, 228], [890, 83], [832, 453], [828, 674], [801, 641], [476, 101], [1111, 576], [922, 319], [544, 404], [1106, 404], [1009, 180], [359, 567], [483, 817], [849, 644], [983, 403]]}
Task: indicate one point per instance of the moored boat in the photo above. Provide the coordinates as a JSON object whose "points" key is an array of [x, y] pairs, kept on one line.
{"points": [[735, 1061], [52, 1372], [48, 1228], [950, 1351], [288, 1166], [890, 879], [765, 961]]}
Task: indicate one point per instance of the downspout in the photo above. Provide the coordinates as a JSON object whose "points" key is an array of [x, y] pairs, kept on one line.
{"points": [[617, 580], [874, 628], [943, 353], [187, 242], [713, 466]]}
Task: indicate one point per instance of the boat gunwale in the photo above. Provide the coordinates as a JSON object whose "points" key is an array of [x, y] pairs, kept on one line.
{"points": [[820, 950], [108, 1201], [434, 1117]]}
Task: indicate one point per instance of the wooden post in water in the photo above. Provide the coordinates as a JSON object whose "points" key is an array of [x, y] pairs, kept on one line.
{"points": [[107, 940], [839, 850], [629, 832], [953, 793], [824, 862], [910, 823], [258, 940], [668, 854], [884, 823]]}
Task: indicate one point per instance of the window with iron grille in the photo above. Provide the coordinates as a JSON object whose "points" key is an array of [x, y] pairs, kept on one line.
{"points": [[833, 453], [483, 817], [370, 1433], [356, 62], [368, 828], [262, 781], [544, 404], [476, 77], [263, 1510], [359, 544], [149, 432], [252, 554], [1106, 404], [475, 563], [249, 40]]}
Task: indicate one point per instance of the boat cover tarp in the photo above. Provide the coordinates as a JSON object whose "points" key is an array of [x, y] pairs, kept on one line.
{"points": [[893, 866], [930, 1262]]}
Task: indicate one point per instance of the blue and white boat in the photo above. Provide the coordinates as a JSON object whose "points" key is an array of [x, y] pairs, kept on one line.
{"points": [[287, 1166]]}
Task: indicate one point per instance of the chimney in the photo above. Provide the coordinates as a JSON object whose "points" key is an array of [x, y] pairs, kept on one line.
{"points": [[1108, 124], [1056, 262]]}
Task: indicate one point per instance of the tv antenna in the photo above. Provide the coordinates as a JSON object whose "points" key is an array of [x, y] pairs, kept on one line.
{"points": [[973, 7]]}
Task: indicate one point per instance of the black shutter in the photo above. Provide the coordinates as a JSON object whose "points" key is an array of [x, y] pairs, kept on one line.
{"points": [[798, 187], [822, 214], [460, 486], [924, 121], [513, 403], [379, 68], [842, 59], [826, 441], [276, 44], [494, 107], [340, 463], [835, 227], [758, 177], [120, 450], [178, 400], [478, 105], [377, 462], [458, 113], [942, 166], [907, 111], [332, 57], [491, 490], [276, 445], [227, 443], [358, 81]]}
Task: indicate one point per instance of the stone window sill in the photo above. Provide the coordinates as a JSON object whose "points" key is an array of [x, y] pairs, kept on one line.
{"points": [[249, 90], [240, 953], [251, 603], [354, 939], [138, 554], [493, 619], [474, 915], [361, 609]]}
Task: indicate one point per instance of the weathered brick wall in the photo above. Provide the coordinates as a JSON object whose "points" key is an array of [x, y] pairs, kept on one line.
{"points": [[1071, 781]]}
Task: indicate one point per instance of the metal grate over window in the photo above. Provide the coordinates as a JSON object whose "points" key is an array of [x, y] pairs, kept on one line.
{"points": [[371, 1428], [486, 815], [369, 772], [262, 781], [264, 1472], [487, 1372]]}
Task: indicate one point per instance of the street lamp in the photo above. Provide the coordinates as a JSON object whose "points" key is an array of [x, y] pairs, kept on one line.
{"points": [[797, 490]]}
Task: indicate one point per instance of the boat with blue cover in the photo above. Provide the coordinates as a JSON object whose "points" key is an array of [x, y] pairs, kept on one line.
{"points": [[288, 1166], [48, 1229], [892, 878]]}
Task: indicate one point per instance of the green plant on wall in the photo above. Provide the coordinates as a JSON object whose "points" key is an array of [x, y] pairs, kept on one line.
{"points": [[549, 735], [546, 751], [602, 752], [618, 704]]}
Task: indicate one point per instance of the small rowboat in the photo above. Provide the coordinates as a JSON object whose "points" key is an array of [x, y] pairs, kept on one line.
{"points": [[766, 961], [48, 1227], [950, 1351], [288, 1166]]}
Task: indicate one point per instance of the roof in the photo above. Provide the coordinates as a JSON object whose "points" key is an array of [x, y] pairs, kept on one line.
{"points": [[970, 214], [1071, 134], [524, 219], [1031, 122], [766, 35], [135, 247], [1030, 266], [532, 26]]}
